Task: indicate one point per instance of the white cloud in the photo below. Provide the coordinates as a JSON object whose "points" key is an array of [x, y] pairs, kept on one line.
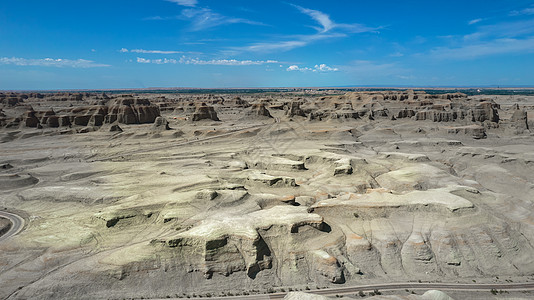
{"points": [[227, 62], [316, 68], [195, 61], [293, 68], [143, 60], [325, 68], [124, 50], [475, 21], [190, 3], [50, 62]]}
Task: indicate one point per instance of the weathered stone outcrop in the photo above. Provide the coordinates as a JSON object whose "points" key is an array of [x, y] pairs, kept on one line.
{"points": [[30, 120], [405, 113], [160, 124], [236, 102], [13, 99], [124, 110], [293, 109], [204, 112], [519, 118], [476, 131], [485, 111], [436, 115], [258, 110], [132, 111], [227, 244]]}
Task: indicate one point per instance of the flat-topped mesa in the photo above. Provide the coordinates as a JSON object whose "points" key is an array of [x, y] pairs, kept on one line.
{"points": [[12, 99], [87, 115], [204, 112], [132, 111], [256, 110], [123, 110], [209, 99], [345, 111], [236, 102]]}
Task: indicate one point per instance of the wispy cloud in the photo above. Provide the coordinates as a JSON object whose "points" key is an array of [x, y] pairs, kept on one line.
{"points": [[328, 29], [397, 54], [327, 24], [51, 62], [205, 18], [189, 3], [195, 61], [202, 18], [481, 49], [124, 50], [525, 11], [320, 17], [316, 68], [474, 21], [496, 39], [503, 30], [297, 42]]}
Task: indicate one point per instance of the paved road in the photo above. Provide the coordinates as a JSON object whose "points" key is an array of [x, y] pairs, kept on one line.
{"points": [[17, 221], [475, 287]]}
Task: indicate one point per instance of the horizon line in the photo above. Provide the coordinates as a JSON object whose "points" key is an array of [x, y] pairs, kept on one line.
{"points": [[487, 87]]}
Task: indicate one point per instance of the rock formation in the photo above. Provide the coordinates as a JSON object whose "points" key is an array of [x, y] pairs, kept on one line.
{"points": [[160, 124], [485, 111], [132, 111], [519, 118], [204, 112], [30, 120], [257, 110], [293, 109]]}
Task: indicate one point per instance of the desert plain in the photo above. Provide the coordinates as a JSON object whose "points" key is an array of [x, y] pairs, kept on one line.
{"points": [[172, 195]]}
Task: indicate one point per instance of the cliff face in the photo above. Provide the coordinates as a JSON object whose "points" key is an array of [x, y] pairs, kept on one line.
{"points": [[124, 111]]}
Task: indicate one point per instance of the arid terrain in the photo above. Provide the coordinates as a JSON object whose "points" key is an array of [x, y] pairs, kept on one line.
{"points": [[187, 195]]}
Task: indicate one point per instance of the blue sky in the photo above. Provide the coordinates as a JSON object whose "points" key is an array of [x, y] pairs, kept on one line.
{"points": [[236, 43]]}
